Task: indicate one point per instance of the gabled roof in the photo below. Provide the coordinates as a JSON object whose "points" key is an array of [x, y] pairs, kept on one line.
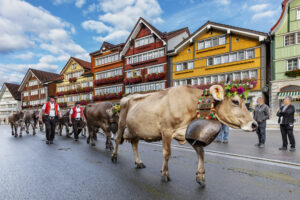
{"points": [[162, 36], [13, 89], [107, 46], [42, 76], [218, 26], [87, 66], [283, 13]]}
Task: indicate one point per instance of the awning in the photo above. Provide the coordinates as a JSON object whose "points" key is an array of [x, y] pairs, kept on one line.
{"points": [[293, 94]]}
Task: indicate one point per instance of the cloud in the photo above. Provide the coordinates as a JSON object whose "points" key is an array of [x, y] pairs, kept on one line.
{"points": [[117, 18], [223, 2], [79, 3], [259, 7], [268, 14], [25, 56]]}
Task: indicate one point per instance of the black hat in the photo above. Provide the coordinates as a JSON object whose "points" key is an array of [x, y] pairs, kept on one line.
{"points": [[52, 97], [77, 103]]}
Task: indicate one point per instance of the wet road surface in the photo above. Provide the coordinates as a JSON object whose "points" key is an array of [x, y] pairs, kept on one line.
{"points": [[30, 169]]}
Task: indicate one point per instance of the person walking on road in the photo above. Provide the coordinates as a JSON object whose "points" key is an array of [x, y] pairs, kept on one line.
{"points": [[224, 131], [286, 121], [51, 111], [77, 119], [261, 115]]}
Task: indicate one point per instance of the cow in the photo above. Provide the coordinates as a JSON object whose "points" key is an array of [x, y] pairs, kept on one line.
{"points": [[64, 121], [16, 120], [100, 115], [31, 118], [166, 114]]}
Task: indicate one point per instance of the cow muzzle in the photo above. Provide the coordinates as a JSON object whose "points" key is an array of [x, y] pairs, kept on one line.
{"points": [[250, 126]]}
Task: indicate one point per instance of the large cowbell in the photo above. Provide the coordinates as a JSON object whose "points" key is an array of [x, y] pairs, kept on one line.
{"points": [[202, 132]]}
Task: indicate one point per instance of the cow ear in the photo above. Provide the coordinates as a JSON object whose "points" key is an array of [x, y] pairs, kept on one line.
{"points": [[217, 92], [109, 112]]}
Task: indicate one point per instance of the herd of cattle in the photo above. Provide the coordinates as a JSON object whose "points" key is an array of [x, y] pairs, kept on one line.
{"points": [[163, 115]]}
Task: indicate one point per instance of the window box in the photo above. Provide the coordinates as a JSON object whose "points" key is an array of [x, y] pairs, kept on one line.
{"points": [[134, 80], [85, 90], [108, 96], [84, 102], [114, 79], [60, 94], [293, 73], [74, 79], [155, 76]]}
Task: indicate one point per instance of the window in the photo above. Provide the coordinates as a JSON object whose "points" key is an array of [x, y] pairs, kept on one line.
{"points": [[108, 74], [241, 55], [25, 94], [214, 79], [43, 91], [201, 45], [222, 40], [143, 41], [107, 59], [250, 54], [221, 78], [232, 57], [207, 43], [237, 76], [207, 80], [210, 61], [292, 64], [217, 60], [253, 74], [34, 92], [156, 69], [190, 65], [215, 42], [289, 39], [74, 66], [245, 74], [298, 14], [32, 83], [224, 59]]}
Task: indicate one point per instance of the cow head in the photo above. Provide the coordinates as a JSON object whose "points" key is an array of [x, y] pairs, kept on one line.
{"points": [[232, 111], [113, 119]]}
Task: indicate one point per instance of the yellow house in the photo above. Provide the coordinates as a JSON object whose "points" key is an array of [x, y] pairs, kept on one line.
{"points": [[216, 52], [75, 83]]}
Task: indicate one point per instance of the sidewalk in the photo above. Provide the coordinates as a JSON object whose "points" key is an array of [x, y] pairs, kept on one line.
{"points": [[242, 143]]}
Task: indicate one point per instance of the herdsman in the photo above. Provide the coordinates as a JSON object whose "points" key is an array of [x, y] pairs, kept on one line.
{"points": [[50, 111], [76, 118]]}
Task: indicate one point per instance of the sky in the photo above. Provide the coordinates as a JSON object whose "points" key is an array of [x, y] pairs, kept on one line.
{"points": [[43, 34]]}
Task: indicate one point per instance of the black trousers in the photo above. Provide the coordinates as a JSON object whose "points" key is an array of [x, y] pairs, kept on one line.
{"points": [[50, 127], [76, 127], [287, 132], [261, 132]]}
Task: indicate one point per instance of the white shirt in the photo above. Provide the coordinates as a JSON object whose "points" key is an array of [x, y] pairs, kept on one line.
{"points": [[78, 112], [52, 109]]}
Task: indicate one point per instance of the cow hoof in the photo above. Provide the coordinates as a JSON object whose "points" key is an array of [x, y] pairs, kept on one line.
{"points": [[20, 135], [165, 178], [93, 144], [140, 165], [114, 158], [27, 132], [34, 133], [201, 183], [87, 141]]}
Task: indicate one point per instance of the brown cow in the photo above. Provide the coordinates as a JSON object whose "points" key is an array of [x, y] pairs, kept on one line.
{"points": [[31, 118], [16, 120], [165, 115], [64, 121], [100, 115]]}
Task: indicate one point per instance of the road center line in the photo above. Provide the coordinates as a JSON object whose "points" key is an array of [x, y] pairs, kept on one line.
{"points": [[267, 161]]}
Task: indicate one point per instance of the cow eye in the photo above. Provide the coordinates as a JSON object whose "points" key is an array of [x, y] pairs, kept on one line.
{"points": [[235, 102]]}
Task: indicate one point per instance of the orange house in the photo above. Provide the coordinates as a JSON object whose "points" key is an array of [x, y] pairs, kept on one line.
{"points": [[107, 68]]}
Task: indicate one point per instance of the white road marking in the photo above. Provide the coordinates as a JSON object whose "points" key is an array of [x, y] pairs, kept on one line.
{"points": [[267, 161]]}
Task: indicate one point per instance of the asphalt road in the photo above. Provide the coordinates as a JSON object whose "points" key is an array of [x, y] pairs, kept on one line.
{"points": [[30, 169]]}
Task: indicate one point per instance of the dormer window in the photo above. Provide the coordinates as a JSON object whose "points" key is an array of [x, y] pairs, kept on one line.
{"points": [[74, 66]]}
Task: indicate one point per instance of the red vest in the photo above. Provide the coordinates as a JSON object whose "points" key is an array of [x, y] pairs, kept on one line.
{"points": [[75, 113], [47, 109]]}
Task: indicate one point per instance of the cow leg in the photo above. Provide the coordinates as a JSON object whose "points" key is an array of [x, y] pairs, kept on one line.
{"points": [[12, 129], [119, 140], [167, 153], [139, 164], [90, 138], [200, 174], [84, 131], [21, 128], [67, 130], [16, 130], [27, 127], [33, 128]]}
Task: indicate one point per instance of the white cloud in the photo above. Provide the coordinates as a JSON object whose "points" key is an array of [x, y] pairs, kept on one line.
{"points": [[79, 3], [223, 2], [259, 7], [92, 7], [97, 26], [120, 16], [268, 14], [25, 56]]}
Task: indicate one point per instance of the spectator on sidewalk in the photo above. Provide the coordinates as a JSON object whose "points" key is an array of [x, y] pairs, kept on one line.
{"points": [[286, 121], [261, 114], [224, 131]]}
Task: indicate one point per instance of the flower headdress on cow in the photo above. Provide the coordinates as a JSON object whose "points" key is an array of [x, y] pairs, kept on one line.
{"points": [[116, 109], [237, 89]]}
